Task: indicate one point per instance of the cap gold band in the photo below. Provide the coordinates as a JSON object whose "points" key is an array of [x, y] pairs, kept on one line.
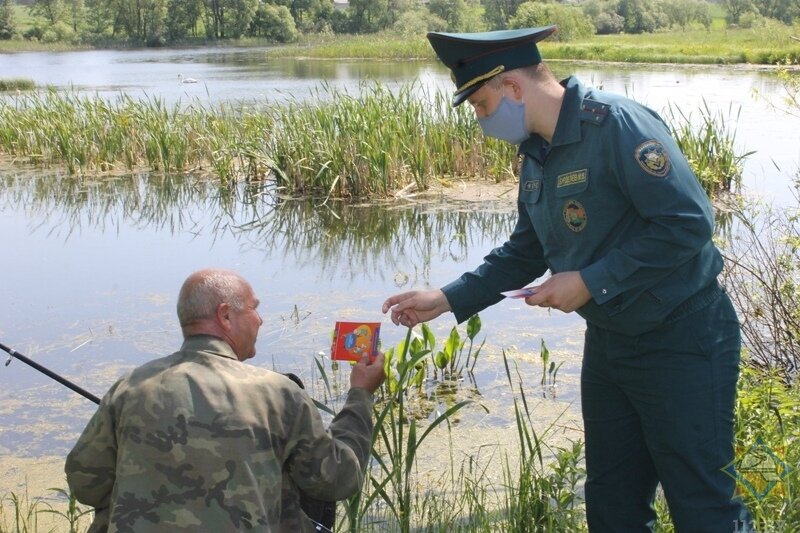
{"points": [[483, 77]]}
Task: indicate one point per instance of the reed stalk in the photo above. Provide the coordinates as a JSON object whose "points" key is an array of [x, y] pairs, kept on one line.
{"points": [[337, 144]]}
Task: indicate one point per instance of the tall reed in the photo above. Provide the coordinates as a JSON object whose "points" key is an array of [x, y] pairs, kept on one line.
{"points": [[397, 440], [338, 144], [380, 140], [371, 142], [20, 512], [710, 147], [91, 134], [541, 498]]}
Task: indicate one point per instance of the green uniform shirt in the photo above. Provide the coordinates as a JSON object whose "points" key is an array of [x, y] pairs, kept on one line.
{"points": [[612, 197], [203, 442]]}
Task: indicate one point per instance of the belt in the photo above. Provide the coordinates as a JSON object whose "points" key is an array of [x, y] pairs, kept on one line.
{"points": [[695, 302]]}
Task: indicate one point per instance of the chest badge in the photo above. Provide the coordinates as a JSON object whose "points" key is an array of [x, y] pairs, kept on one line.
{"points": [[653, 158], [574, 215]]}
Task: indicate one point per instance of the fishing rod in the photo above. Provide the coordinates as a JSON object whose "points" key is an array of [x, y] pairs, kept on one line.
{"points": [[47, 372]]}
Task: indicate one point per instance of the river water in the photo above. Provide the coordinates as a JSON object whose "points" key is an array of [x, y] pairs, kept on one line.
{"points": [[91, 269]]}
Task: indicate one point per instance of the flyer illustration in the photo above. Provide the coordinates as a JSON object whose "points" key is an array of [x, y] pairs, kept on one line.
{"points": [[351, 340]]}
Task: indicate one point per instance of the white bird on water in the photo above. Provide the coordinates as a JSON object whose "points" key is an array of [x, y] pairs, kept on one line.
{"points": [[186, 80]]}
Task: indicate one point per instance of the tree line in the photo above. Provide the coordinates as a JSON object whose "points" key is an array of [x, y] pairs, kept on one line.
{"points": [[164, 22]]}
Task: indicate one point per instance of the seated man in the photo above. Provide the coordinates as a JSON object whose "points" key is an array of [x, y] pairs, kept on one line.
{"points": [[200, 441]]}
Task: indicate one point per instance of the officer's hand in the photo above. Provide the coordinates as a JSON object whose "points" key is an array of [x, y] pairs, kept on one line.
{"points": [[411, 308], [368, 375], [564, 291]]}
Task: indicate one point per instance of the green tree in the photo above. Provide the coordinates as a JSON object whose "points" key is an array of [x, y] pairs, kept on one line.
{"points": [[98, 20], [460, 15], [340, 21], [7, 27], [497, 13], [605, 16], [414, 22], [682, 13], [397, 8], [153, 30], [274, 23], [736, 8], [183, 17], [52, 11], [641, 16], [306, 14], [572, 22], [784, 10], [702, 14], [238, 16], [228, 19], [367, 16], [64, 20], [77, 10]]}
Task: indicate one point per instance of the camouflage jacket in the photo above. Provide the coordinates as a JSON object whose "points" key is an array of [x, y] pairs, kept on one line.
{"points": [[200, 441]]}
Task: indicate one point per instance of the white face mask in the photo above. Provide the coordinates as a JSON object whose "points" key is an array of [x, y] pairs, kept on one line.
{"points": [[507, 122]]}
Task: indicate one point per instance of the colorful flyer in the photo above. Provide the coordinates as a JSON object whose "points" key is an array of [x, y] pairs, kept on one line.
{"points": [[351, 340], [520, 293]]}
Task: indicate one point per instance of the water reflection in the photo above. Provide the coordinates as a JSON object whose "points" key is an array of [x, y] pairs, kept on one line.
{"points": [[342, 240], [367, 241]]}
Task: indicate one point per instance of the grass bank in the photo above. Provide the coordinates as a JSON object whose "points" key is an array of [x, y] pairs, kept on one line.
{"points": [[16, 84], [720, 45]]}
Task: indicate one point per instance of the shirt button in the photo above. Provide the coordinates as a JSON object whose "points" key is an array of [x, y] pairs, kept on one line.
{"points": [[604, 291]]}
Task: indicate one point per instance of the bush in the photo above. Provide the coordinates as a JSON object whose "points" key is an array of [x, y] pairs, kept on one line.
{"points": [[60, 32], [413, 22], [33, 34], [609, 23], [274, 23], [752, 20], [571, 21], [340, 22], [763, 280]]}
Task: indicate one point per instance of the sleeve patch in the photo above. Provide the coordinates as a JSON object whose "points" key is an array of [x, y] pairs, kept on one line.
{"points": [[653, 158]]}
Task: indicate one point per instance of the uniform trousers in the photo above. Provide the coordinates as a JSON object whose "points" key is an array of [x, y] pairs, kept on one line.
{"points": [[659, 408]]}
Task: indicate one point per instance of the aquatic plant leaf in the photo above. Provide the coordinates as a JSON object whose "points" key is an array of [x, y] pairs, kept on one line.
{"points": [[473, 326], [430, 338], [441, 360]]}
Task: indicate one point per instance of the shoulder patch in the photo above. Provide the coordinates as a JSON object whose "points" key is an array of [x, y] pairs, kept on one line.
{"points": [[653, 158], [593, 111]]}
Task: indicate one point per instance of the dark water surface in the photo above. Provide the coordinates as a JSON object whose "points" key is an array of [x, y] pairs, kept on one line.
{"points": [[91, 269]]}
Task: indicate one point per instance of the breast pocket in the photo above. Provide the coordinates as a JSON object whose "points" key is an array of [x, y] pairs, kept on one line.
{"points": [[566, 188], [530, 191]]}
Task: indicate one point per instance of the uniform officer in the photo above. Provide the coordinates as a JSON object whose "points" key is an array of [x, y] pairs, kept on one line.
{"points": [[200, 441], [608, 204]]}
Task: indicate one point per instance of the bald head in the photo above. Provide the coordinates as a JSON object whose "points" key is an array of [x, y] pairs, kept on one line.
{"points": [[220, 303], [205, 290]]}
